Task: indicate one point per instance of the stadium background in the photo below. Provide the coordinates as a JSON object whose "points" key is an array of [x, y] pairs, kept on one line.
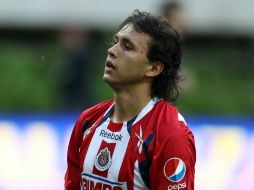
{"points": [[40, 99]]}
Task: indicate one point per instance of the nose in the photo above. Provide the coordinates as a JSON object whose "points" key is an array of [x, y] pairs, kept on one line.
{"points": [[112, 51]]}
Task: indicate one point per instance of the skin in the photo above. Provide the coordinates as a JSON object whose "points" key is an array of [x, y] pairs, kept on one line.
{"points": [[132, 73]]}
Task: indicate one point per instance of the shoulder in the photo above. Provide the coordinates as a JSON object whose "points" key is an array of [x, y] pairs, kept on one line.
{"points": [[88, 117], [173, 148], [96, 109], [93, 113], [167, 113], [172, 131], [170, 121]]}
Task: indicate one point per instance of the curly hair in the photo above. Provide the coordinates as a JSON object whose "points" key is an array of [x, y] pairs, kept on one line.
{"points": [[164, 46]]}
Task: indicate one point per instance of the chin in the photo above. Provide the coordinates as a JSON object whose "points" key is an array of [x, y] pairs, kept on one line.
{"points": [[113, 84], [106, 77]]}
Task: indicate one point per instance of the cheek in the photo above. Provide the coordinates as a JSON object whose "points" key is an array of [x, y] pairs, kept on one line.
{"points": [[134, 63], [133, 70]]}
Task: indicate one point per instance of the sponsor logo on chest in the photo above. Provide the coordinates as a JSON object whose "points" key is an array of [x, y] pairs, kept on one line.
{"points": [[93, 182], [111, 135], [91, 185]]}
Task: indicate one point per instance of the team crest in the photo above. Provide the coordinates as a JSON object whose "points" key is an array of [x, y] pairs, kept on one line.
{"points": [[103, 160]]}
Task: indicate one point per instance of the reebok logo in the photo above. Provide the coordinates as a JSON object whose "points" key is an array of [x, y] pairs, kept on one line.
{"points": [[111, 135]]}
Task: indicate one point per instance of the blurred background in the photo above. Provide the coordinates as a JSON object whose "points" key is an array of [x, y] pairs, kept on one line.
{"points": [[51, 64]]}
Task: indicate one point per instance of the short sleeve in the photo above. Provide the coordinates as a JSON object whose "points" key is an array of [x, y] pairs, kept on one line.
{"points": [[73, 172], [173, 161]]}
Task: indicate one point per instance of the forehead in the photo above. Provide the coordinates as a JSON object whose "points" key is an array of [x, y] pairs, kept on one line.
{"points": [[139, 39]]}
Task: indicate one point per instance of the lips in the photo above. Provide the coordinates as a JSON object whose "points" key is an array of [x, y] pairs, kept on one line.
{"points": [[110, 65]]}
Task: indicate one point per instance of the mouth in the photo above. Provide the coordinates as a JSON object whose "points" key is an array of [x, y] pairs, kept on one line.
{"points": [[110, 65]]}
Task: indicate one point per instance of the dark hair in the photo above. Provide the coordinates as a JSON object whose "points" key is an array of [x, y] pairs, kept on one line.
{"points": [[164, 46]]}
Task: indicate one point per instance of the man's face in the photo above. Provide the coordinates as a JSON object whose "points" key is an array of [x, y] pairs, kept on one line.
{"points": [[127, 60]]}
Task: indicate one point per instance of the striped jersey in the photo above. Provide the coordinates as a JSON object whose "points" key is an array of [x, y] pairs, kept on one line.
{"points": [[155, 150]]}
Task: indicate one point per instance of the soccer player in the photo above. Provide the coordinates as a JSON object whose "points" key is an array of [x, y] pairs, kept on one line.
{"points": [[137, 140]]}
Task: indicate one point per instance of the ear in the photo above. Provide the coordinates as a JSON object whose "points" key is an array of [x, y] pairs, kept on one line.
{"points": [[154, 69]]}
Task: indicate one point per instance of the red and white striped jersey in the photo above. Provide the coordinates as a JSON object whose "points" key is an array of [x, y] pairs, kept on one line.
{"points": [[155, 150]]}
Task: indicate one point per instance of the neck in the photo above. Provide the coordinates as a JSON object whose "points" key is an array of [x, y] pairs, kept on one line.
{"points": [[129, 103]]}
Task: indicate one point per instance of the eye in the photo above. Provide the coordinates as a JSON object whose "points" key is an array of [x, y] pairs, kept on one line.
{"points": [[127, 46], [114, 41]]}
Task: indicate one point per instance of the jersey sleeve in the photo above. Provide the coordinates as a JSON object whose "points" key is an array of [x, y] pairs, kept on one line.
{"points": [[73, 172], [173, 160]]}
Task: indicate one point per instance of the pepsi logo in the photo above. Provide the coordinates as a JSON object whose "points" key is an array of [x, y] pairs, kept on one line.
{"points": [[174, 169]]}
